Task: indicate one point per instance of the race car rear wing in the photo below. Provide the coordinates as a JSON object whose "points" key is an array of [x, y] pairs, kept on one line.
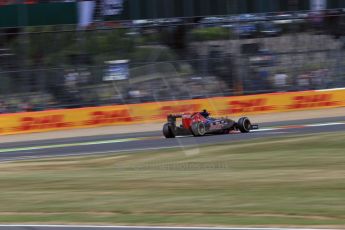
{"points": [[171, 118]]}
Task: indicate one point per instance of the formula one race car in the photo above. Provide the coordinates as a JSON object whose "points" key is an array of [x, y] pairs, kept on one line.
{"points": [[200, 124]]}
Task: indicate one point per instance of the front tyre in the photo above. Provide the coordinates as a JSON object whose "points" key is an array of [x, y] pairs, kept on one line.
{"points": [[244, 125], [168, 131], [198, 129]]}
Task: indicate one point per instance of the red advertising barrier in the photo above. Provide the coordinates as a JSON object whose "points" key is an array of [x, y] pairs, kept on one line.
{"points": [[155, 112]]}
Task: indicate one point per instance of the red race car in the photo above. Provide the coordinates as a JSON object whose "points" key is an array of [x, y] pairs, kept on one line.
{"points": [[200, 124]]}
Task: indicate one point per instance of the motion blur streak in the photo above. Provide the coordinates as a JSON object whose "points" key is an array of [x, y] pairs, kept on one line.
{"points": [[157, 111], [90, 227], [154, 140]]}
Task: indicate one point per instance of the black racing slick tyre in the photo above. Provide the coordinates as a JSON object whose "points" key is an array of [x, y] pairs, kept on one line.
{"points": [[244, 125], [168, 131], [198, 129]]}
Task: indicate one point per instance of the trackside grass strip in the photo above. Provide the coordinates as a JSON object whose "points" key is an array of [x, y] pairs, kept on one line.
{"points": [[294, 181]]}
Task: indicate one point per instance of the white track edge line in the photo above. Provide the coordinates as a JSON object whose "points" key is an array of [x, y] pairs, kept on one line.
{"points": [[155, 227], [325, 124], [10, 159]]}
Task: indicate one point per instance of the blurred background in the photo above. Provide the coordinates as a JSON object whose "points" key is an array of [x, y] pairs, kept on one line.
{"points": [[71, 54]]}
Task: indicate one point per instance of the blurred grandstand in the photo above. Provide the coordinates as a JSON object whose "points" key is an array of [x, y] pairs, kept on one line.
{"points": [[132, 61]]}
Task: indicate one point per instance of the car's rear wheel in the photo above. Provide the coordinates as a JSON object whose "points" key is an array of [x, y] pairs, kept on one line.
{"points": [[244, 125], [168, 131], [198, 129]]}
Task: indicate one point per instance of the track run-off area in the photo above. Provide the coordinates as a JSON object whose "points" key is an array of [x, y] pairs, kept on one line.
{"points": [[144, 141], [89, 227]]}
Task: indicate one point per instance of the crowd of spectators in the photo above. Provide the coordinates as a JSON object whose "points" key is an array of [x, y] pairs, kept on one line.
{"points": [[179, 88], [264, 81], [309, 80], [73, 95], [27, 102], [290, 62]]}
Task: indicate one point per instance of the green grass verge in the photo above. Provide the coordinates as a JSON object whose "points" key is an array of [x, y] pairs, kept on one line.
{"points": [[211, 33], [296, 181]]}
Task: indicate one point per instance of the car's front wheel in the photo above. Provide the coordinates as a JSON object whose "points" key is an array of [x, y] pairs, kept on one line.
{"points": [[244, 125], [198, 129]]}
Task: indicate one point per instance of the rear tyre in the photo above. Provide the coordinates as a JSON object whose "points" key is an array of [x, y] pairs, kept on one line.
{"points": [[244, 125], [168, 131], [198, 129]]}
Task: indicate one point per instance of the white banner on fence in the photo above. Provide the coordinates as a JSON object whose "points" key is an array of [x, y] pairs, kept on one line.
{"points": [[318, 5], [85, 13], [112, 7], [116, 70]]}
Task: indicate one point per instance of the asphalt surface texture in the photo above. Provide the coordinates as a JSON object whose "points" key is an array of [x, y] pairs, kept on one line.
{"points": [[66, 227], [136, 142]]}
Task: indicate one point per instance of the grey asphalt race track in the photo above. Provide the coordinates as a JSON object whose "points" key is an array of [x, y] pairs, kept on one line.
{"points": [[56, 227], [107, 144]]}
